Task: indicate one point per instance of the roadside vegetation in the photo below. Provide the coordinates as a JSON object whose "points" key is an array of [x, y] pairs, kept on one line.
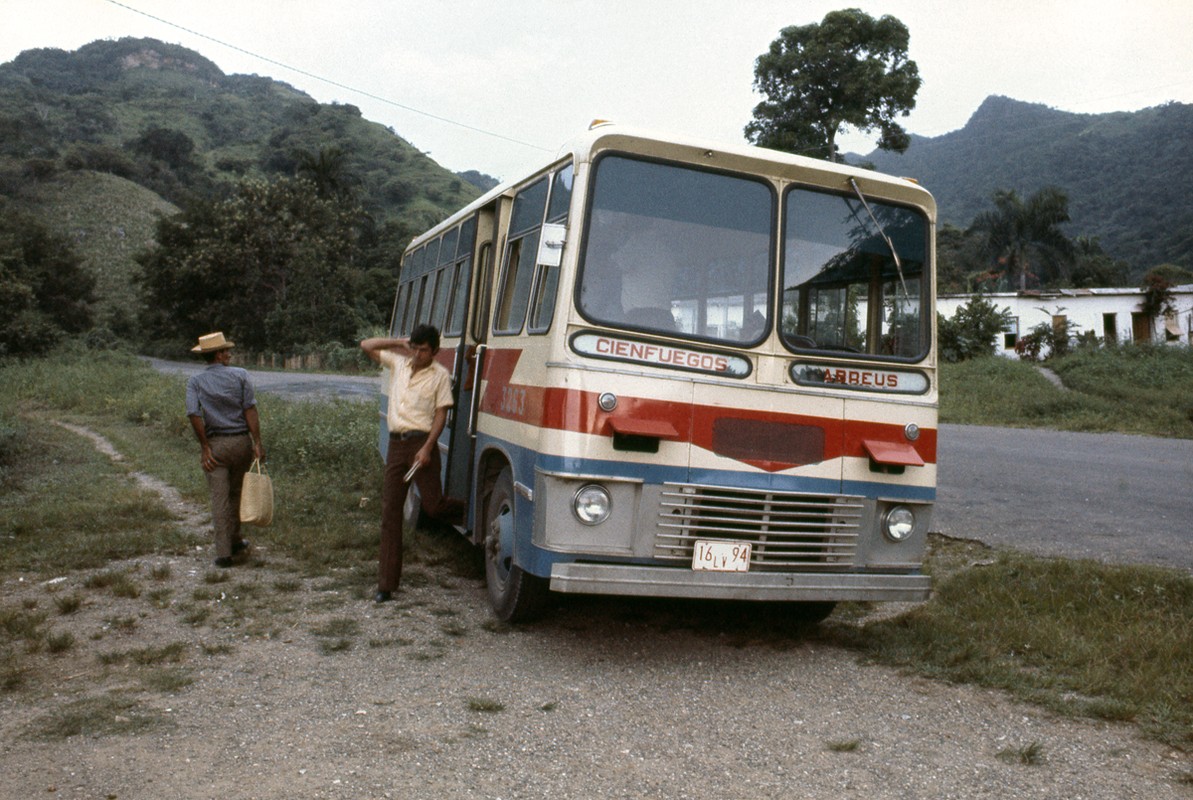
{"points": [[1079, 637], [1136, 389]]}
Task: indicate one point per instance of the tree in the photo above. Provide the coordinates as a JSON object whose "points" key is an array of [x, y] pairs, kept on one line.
{"points": [[274, 265], [848, 70], [1019, 236], [328, 170], [1093, 266], [972, 330], [44, 291]]}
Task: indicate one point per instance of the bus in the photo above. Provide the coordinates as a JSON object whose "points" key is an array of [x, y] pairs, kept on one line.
{"points": [[686, 369]]}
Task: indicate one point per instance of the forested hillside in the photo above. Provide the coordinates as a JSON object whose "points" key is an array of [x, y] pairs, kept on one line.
{"points": [[99, 143], [1124, 173]]}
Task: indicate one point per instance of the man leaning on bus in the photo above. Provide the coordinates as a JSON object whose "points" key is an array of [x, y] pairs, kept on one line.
{"points": [[419, 397]]}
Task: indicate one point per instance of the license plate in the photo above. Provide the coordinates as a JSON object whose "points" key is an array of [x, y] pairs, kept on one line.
{"points": [[721, 556]]}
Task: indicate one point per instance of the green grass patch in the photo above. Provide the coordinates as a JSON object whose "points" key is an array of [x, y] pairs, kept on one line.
{"points": [[1079, 637], [485, 705], [1138, 389], [104, 715]]}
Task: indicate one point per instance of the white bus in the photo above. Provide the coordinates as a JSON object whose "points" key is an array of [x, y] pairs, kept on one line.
{"points": [[688, 369]]}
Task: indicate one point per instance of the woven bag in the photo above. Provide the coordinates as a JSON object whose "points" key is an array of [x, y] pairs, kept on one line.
{"points": [[256, 496]]}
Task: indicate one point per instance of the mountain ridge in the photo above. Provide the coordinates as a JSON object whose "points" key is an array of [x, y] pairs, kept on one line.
{"points": [[1115, 167]]}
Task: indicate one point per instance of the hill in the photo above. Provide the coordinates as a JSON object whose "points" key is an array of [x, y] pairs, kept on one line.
{"points": [[1121, 172], [99, 141]]}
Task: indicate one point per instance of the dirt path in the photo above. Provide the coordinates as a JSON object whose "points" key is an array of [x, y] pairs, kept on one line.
{"points": [[267, 682]]}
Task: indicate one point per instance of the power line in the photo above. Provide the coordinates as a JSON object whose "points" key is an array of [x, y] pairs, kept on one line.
{"points": [[331, 82]]}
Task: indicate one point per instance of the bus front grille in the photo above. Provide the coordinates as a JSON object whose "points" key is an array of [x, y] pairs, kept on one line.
{"points": [[786, 529]]}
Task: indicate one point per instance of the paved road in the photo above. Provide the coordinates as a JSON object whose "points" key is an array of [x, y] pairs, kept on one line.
{"points": [[1081, 495], [1110, 497], [297, 385]]}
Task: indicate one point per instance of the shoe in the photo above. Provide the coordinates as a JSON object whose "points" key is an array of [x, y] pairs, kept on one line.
{"points": [[240, 547], [383, 597], [223, 562]]}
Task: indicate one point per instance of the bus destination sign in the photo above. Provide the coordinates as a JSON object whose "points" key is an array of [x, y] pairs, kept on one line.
{"points": [[863, 379], [616, 348]]}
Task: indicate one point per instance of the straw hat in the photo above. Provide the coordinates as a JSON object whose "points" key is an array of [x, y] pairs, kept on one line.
{"points": [[212, 342]]}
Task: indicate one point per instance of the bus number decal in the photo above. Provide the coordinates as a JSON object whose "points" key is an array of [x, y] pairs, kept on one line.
{"points": [[513, 401]]}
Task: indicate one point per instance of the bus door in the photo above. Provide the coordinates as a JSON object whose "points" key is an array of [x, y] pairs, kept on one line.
{"points": [[469, 357]]}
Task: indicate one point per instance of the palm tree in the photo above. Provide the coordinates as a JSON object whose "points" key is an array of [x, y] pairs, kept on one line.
{"points": [[1019, 235], [328, 170]]}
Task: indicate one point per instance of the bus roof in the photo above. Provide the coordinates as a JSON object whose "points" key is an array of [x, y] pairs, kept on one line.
{"points": [[738, 157]]}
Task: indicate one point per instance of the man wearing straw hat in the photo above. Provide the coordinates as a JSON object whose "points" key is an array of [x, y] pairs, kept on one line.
{"points": [[223, 412]]}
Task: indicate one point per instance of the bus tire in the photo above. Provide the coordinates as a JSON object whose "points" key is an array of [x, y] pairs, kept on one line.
{"points": [[516, 595]]}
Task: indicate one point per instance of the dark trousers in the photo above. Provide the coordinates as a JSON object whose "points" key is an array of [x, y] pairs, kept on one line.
{"points": [[235, 454], [398, 460]]}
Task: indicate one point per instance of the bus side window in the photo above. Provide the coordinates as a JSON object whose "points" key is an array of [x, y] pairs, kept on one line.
{"points": [[544, 299], [521, 252], [515, 288], [443, 282], [400, 310], [480, 318], [547, 283], [423, 300]]}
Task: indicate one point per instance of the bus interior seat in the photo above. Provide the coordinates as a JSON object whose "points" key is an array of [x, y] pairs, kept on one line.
{"points": [[660, 319]]}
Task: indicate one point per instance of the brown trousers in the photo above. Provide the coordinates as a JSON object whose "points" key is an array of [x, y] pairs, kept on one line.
{"points": [[399, 458], [235, 454]]}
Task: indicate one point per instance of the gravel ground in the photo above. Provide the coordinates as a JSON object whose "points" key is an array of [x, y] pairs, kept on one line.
{"points": [[303, 688]]}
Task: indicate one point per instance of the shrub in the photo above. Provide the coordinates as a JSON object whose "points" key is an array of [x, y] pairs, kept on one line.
{"points": [[972, 331]]}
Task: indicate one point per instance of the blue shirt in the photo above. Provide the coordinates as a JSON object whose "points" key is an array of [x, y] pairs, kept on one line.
{"points": [[220, 394]]}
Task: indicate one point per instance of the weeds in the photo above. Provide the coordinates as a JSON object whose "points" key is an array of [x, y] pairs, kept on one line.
{"points": [[843, 745], [1029, 755], [68, 604], [485, 705], [94, 716], [1113, 642]]}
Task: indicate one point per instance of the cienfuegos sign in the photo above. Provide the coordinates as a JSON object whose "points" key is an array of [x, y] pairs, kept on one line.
{"points": [[864, 379], [656, 354]]}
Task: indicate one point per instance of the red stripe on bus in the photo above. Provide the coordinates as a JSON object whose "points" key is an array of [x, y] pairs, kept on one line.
{"points": [[577, 411]]}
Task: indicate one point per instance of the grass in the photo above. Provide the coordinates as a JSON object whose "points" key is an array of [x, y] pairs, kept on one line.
{"points": [[1078, 637], [485, 705], [1133, 389], [1029, 755], [1082, 638]]}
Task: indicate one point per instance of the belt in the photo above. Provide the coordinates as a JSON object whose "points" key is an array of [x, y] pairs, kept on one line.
{"points": [[401, 437], [227, 433]]}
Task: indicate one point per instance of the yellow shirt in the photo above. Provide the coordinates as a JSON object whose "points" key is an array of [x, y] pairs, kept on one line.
{"points": [[414, 396]]}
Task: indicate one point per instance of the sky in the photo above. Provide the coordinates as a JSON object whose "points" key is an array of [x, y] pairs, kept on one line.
{"points": [[500, 85]]}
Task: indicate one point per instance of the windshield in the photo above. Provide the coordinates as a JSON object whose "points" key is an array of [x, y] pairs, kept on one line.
{"points": [[676, 250], [843, 290]]}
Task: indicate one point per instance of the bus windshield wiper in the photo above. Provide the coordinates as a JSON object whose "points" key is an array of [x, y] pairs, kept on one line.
{"points": [[881, 232]]}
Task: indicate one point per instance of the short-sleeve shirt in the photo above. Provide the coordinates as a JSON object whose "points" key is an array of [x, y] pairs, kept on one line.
{"points": [[220, 394], [414, 396]]}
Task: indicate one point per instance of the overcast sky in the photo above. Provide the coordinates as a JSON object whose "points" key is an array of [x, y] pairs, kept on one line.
{"points": [[499, 85]]}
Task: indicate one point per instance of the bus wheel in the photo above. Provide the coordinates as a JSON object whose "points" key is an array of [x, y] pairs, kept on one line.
{"points": [[515, 595]]}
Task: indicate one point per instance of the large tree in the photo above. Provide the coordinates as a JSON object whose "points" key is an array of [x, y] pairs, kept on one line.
{"points": [[274, 266], [1024, 238], [848, 70], [45, 293]]}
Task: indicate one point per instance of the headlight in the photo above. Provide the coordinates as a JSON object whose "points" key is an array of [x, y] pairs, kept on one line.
{"points": [[591, 504], [898, 523]]}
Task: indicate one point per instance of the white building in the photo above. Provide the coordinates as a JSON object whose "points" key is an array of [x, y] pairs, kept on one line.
{"points": [[1113, 315]]}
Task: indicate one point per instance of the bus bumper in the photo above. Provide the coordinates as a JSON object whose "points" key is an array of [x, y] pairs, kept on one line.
{"points": [[621, 579]]}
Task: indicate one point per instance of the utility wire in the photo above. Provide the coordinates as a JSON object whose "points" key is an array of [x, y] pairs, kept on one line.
{"points": [[331, 82]]}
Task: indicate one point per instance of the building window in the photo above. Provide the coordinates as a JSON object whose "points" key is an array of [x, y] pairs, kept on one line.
{"points": [[1010, 334]]}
